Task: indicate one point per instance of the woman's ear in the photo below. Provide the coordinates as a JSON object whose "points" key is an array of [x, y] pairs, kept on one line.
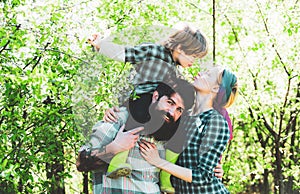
{"points": [[215, 88], [155, 96]]}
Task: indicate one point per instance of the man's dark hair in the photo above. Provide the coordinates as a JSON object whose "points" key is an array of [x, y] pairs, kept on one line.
{"points": [[180, 86]]}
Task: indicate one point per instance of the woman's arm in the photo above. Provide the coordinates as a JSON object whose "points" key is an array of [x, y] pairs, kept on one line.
{"points": [[213, 144], [150, 153]]}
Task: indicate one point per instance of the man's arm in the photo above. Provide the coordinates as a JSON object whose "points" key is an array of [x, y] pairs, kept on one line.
{"points": [[219, 172], [92, 158]]}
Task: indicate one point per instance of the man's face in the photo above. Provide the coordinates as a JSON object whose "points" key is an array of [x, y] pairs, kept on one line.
{"points": [[172, 107], [165, 114]]}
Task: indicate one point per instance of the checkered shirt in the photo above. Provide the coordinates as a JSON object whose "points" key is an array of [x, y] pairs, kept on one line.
{"points": [[152, 63], [208, 135], [144, 177]]}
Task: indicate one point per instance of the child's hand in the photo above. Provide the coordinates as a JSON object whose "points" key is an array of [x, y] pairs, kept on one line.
{"points": [[110, 115], [149, 152], [94, 40]]}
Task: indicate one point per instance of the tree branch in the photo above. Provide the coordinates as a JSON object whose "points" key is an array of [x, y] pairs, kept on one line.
{"points": [[194, 5], [34, 58], [40, 57], [4, 47], [62, 52], [273, 45]]}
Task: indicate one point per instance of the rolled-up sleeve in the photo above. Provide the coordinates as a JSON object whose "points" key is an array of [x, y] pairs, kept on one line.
{"points": [[112, 50]]}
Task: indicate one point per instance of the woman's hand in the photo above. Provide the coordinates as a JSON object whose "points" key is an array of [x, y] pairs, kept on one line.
{"points": [[149, 152], [219, 172], [110, 115]]}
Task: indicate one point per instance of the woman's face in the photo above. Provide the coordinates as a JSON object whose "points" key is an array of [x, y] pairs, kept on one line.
{"points": [[209, 80]]}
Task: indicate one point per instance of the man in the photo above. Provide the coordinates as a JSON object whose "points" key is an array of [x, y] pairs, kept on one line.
{"points": [[159, 114]]}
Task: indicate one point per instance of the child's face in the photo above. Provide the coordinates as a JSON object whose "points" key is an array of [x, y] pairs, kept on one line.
{"points": [[185, 60]]}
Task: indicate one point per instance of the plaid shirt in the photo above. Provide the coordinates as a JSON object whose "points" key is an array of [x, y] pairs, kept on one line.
{"points": [[209, 134], [144, 177], [153, 63]]}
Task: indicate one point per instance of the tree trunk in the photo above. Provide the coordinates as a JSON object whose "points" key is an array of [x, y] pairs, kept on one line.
{"points": [[264, 186], [278, 177], [55, 168], [85, 183]]}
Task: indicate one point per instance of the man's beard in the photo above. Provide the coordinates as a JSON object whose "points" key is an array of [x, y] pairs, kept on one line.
{"points": [[158, 127]]}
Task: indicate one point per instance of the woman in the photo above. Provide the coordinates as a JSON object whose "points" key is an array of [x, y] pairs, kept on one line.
{"points": [[193, 171]]}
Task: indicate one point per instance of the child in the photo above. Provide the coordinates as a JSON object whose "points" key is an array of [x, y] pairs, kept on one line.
{"points": [[153, 62]]}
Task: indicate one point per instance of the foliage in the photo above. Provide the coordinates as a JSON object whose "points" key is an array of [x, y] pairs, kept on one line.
{"points": [[268, 120], [54, 87]]}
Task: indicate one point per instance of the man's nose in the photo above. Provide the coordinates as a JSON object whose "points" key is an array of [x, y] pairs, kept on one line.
{"points": [[172, 111]]}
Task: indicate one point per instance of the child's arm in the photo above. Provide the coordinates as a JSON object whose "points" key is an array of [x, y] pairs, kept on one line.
{"points": [[108, 48]]}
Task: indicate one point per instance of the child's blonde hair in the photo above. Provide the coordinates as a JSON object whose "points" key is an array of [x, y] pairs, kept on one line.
{"points": [[191, 42]]}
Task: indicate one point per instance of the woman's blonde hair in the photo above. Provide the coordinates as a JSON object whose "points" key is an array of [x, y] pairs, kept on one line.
{"points": [[191, 42], [228, 90], [232, 96]]}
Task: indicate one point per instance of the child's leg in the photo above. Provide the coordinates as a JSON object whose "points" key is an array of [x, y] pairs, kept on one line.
{"points": [[177, 144], [165, 182], [118, 166]]}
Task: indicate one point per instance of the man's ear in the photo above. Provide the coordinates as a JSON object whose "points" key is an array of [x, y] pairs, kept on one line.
{"points": [[155, 96]]}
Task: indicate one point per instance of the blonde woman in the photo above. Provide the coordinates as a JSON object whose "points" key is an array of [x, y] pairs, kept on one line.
{"points": [[208, 133]]}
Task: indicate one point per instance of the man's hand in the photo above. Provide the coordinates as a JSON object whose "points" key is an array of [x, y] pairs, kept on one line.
{"points": [[219, 172], [124, 140], [94, 40], [110, 115]]}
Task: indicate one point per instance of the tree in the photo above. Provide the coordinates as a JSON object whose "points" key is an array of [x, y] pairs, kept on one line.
{"points": [[54, 87], [267, 58]]}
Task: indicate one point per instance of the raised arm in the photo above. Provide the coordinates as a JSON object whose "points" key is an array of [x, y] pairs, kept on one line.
{"points": [[107, 47]]}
